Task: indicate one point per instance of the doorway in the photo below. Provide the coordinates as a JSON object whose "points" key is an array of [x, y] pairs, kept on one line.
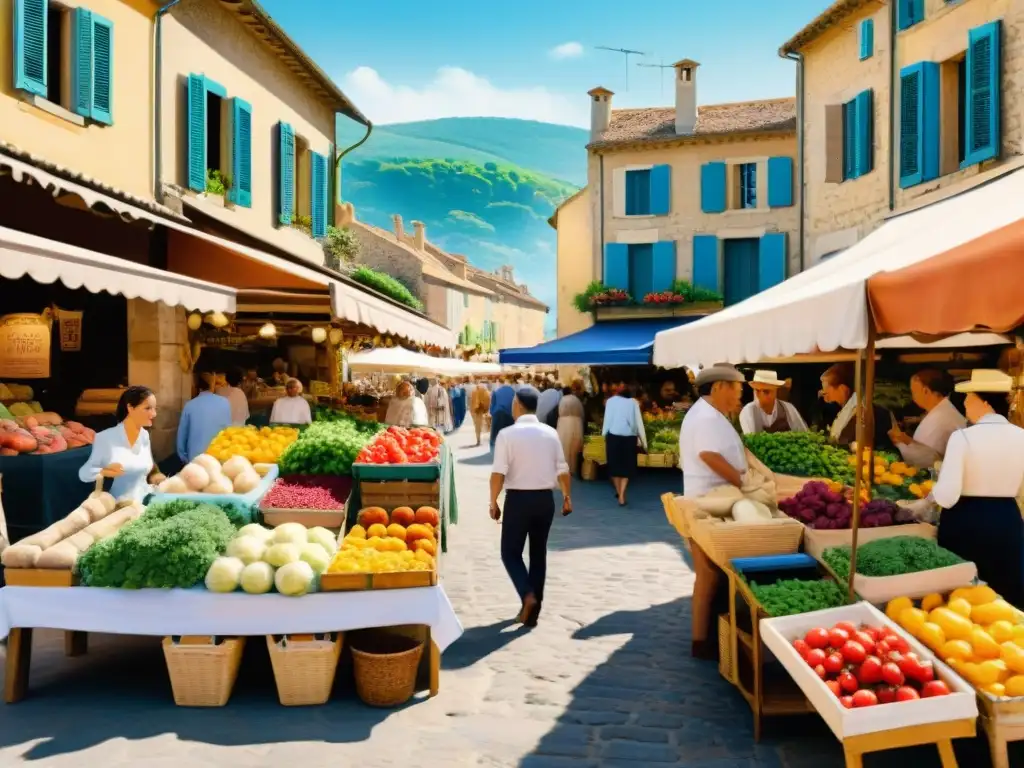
{"points": [[741, 269]]}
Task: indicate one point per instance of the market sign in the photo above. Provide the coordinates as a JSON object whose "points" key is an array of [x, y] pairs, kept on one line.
{"points": [[25, 346], [319, 388], [222, 340], [70, 330]]}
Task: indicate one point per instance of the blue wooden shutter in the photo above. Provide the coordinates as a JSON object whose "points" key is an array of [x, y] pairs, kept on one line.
{"points": [[849, 139], [705, 262], [286, 173], [664, 265], [81, 62], [102, 70], [318, 193], [780, 182], [197, 133], [983, 87], [919, 123], [864, 145], [638, 193], [867, 39], [712, 187], [641, 270], [241, 153], [661, 190], [771, 260], [30, 60], [909, 13], [616, 266]]}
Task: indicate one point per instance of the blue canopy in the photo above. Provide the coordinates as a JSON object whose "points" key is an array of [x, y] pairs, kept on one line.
{"points": [[614, 342]]}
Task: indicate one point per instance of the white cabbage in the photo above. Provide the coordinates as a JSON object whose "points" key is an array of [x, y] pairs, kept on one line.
{"points": [[294, 579], [257, 578], [224, 574]]}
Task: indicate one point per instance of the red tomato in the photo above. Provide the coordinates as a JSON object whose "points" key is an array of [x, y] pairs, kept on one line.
{"points": [[837, 638], [817, 638], [925, 672], [800, 646], [847, 626], [934, 688], [848, 682], [892, 674], [866, 640], [906, 693], [894, 656], [864, 698], [854, 652], [897, 643], [886, 694], [820, 672], [833, 663], [814, 657], [834, 687], [846, 701], [881, 649], [876, 633], [870, 672]]}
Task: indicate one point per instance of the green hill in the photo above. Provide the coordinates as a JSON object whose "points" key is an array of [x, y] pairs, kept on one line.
{"points": [[485, 187]]}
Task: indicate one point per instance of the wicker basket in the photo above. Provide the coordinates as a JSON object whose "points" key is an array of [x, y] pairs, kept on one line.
{"points": [[726, 668], [203, 673], [304, 668], [674, 512], [723, 541], [594, 449], [661, 460], [589, 469], [385, 667]]}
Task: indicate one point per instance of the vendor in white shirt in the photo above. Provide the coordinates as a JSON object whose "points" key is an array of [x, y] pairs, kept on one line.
{"points": [[711, 455], [930, 390], [978, 484], [293, 408], [766, 412]]}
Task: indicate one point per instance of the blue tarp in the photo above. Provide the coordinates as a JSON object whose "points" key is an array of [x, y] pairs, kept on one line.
{"points": [[613, 342]]}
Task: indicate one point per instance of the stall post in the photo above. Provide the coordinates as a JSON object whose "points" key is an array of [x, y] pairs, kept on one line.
{"points": [[858, 481]]}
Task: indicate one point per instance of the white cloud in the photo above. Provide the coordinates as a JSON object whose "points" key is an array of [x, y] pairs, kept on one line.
{"points": [[456, 92], [570, 50]]}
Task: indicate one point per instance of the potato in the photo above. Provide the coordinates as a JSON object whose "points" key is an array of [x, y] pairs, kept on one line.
{"points": [[105, 499], [96, 509], [110, 525], [80, 541], [61, 557], [21, 556]]}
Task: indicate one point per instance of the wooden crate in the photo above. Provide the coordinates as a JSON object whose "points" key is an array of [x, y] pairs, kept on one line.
{"points": [[351, 582], [1003, 721], [310, 518], [39, 577], [660, 460], [399, 493]]}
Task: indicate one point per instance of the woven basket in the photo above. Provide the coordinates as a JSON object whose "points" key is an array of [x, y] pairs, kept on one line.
{"points": [[723, 541], [589, 470], [657, 459], [594, 449], [203, 675], [385, 667], [304, 669], [726, 668], [674, 512]]}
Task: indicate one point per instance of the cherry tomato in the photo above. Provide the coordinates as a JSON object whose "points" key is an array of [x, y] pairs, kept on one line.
{"points": [[876, 633], [848, 682], [837, 638], [833, 663], [925, 672], [865, 698], [854, 652], [817, 638], [866, 640], [846, 701], [897, 643], [934, 688], [906, 693], [814, 657], [892, 674], [820, 672], [894, 656], [800, 646], [870, 672], [834, 687], [847, 626], [881, 649], [886, 694]]}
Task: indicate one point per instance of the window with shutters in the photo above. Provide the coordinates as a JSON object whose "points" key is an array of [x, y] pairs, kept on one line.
{"points": [[638, 193], [56, 56], [744, 179], [303, 182], [953, 106]]}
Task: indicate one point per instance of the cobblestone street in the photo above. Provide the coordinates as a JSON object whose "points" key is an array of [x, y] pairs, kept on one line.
{"points": [[605, 680]]}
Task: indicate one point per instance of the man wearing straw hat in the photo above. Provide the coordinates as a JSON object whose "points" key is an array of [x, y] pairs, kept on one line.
{"points": [[766, 412]]}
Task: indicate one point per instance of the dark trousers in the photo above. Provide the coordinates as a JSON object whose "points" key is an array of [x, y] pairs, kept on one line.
{"points": [[527, 517]]}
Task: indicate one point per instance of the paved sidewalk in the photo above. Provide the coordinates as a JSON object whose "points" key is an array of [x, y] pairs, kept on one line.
{"points": [[605, 680]]}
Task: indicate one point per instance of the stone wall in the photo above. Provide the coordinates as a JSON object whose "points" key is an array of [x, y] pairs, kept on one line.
{"points": [[380, 250]]}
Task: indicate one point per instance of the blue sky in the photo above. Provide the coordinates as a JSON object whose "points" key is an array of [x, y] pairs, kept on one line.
{"points": [[403, 60]]}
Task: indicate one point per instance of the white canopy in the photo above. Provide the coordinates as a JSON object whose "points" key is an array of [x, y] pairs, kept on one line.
{"points": [[47, 261], [825, 308], [398, 360], [360, 307]]}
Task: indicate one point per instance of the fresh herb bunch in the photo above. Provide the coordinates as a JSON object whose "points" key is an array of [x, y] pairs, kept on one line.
{"points": [[891, 557], [805, 454], [172, 544], [791, 596], [327, 448]]}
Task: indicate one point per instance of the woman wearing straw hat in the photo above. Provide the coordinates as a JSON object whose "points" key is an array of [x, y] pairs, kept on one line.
{"points": [[981, 475], [766, 412]]}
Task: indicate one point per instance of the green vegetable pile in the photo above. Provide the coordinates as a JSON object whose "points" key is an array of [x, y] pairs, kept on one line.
{"points": [[891, 557], [806, 454], [664, 440], [328, 447], [171, 544], [791, 596], [326, 413]]}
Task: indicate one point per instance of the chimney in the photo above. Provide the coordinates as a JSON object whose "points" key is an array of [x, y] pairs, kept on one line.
{"points": [[600, 111], [420, 236], [686, 95], [399, 231]]}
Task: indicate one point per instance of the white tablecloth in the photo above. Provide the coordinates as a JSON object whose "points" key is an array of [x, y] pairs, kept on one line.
{"points": [[199, 612]]}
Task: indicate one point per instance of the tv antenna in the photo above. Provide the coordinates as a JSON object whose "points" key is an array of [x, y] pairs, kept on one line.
{"points": [[625, 51], [663, 66]]}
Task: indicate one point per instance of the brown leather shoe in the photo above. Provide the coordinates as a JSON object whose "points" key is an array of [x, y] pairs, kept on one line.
{"points": [[529, 609]]}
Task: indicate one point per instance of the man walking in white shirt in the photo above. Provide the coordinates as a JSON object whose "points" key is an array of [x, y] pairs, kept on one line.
{"points": [[528, 465]]}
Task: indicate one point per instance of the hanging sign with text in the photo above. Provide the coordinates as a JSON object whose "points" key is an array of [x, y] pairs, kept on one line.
{"points": [[25, 346], [70, 330]]}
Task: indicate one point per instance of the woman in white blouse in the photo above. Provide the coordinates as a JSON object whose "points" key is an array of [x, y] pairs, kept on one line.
{"points": [[981, 475], [123, 452]]}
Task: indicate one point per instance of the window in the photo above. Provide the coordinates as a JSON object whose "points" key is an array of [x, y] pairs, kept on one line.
{"points": [[64, 57], [640, 268], [219, 132], [953, 106], [745, 181], [303, 183], [867, 39], [909, 13], [849, 138], [638, 193]]}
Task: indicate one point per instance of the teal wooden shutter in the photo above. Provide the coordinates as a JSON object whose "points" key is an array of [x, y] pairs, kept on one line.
{"points": [[849, 140], [241, 153], [81, 62], [641, 270], [332, 176], [318, 193], [771, 260], [864, 148], [661, 190], [983, 98], [909, 13], [712, 187], [664, 266], [616, 266], [705, 262], [30, 46], [197, 133], [919, 123], [102, 70], [780, 182], [285, 173], [867, 39]]}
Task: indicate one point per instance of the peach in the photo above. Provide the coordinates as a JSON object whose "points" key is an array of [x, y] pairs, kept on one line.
{"points": [[428, 516], [403, 516], [373, 515], [396, 531]]}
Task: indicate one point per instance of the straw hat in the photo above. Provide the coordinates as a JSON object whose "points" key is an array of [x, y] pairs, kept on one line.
{"points": [[767, 378], [986, 380], [719, 372]]}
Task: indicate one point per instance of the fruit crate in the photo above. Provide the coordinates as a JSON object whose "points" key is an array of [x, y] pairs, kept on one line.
{"points": [[361, 581], [816, 542], [656, 460], [399, 493], [410, 472]]}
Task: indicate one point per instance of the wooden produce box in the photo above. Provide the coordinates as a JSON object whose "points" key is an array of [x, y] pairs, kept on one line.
{"points": [[310, 518], [40, 577], [349, 582], [399, 493], [662, 460], [816, 542]]}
